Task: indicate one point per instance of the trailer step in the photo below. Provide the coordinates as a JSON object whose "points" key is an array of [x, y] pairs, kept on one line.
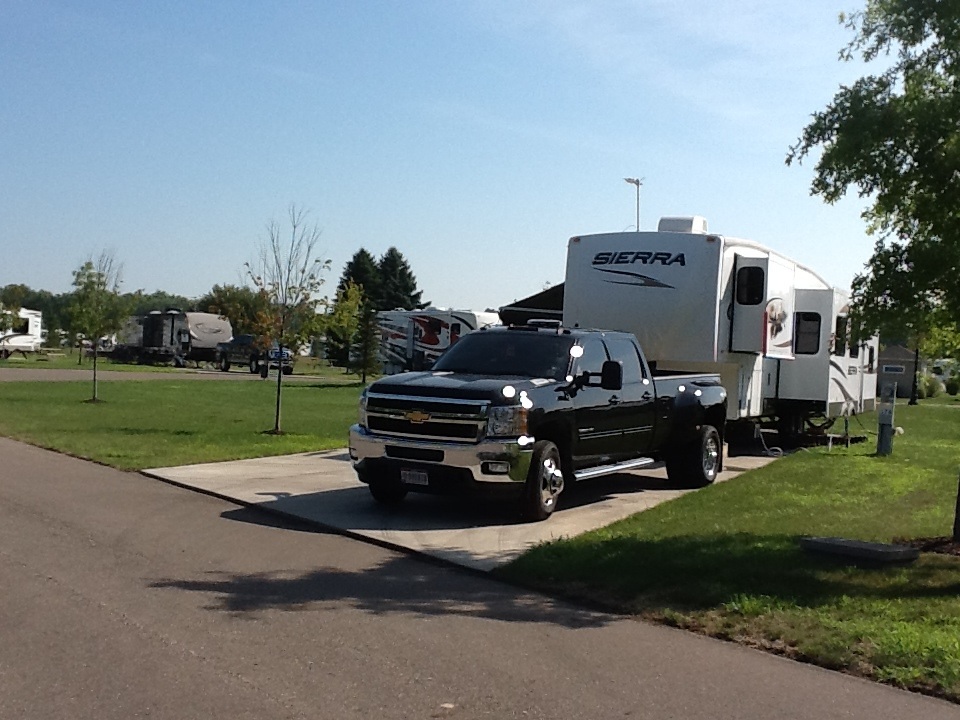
{"points": [[588, 473]]}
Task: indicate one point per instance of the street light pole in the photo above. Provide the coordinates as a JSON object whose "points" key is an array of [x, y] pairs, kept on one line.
{"points": [[638, 182]]}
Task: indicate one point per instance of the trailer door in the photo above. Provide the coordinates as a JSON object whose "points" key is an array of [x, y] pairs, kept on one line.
{"points": [[761, 315]]}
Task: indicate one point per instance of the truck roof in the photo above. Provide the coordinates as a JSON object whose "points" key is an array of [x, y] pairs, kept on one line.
{"points": [[550, 328]]}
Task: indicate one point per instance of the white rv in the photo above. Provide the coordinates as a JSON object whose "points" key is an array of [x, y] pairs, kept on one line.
{"points": [[775, 330], [25, 335], [414, 339]]}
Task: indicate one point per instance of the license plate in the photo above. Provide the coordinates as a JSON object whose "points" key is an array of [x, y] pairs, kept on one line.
{"points": [[414, 477]]}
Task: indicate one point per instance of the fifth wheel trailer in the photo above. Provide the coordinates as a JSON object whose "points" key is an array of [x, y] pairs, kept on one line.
{"points": [[414, 339], [25, 333], [776, 332]]}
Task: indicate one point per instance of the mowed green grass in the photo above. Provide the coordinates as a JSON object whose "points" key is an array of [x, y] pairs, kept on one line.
{"points": [[159, 423], [726, 561]]}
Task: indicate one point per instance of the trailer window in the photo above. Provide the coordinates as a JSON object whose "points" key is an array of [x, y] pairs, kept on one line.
{"points": [[871, 359], [840, 338], [806, 336], [750, 286]]}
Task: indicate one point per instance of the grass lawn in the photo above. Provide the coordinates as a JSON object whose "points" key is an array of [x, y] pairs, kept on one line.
{"points": [[160, 423], [725, 561]]}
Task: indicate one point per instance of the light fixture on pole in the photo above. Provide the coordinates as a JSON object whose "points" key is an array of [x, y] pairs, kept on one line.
{"points": [[638, 182]]}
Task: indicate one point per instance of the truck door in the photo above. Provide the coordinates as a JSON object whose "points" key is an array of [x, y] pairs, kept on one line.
{"points": [[598, 434], [635, 409]]}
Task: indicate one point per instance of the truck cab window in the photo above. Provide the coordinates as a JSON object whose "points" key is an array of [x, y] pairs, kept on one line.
{"points": [[594, 355], [806, 337], [750, 286], [626, 352]]}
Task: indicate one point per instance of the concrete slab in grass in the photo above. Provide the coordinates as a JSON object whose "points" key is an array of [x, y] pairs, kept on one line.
{"points": [[860, 550], [322, 488]]}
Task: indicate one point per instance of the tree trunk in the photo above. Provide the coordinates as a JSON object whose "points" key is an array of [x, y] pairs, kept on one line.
{"points": [[94, 373], [956, 515], [276, 422]]}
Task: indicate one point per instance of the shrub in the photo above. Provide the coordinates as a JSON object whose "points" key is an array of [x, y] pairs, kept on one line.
{"points": [[953, 384], [929, 386]]}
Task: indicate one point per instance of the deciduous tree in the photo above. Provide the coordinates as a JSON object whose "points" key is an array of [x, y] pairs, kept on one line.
{"points": [[97, 309], [894, 137], [289, 274]]}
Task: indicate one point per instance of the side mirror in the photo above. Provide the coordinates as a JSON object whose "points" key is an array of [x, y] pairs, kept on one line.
{"points": [[611, 375]]}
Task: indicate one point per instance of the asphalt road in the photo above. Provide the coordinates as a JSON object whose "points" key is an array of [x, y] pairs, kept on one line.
{"points": [[24, 374], [124, 597]]}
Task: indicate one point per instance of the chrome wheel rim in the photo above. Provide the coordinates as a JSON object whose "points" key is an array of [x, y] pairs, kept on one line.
{"points": [[551, 482], [711, 457]]}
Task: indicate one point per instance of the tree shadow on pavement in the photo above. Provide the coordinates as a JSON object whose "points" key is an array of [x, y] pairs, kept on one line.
{"points": [[397, 586]]}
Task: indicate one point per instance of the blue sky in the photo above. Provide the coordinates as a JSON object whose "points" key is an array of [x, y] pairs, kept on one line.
{"points": [[475, 136]]}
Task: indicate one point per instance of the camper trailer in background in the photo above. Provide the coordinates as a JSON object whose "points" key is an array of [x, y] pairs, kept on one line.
{"points": [[25, 334], [414, 339], [172, 336], [775, 331]]}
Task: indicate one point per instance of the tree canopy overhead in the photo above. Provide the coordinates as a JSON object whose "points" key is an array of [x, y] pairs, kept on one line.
{"points": [[894, 137]]}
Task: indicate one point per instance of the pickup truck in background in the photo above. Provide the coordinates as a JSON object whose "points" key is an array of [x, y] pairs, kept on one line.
{"points": [[243, 351], [524, 410]]}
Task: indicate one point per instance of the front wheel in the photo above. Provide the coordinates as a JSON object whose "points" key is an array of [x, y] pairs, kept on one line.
{"points": [[696, 464], [544, 482], [224, 363]]}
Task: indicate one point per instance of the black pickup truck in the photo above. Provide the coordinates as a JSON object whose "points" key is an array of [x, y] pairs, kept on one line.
{"points": [[526, 409], [243, 350]]}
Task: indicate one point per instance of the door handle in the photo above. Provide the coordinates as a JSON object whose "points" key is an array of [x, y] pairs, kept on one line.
{"points": [[614, 400], [646, 396]]}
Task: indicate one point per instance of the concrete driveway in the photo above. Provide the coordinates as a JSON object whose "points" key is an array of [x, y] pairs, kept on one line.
{"points": [[323, 488]]}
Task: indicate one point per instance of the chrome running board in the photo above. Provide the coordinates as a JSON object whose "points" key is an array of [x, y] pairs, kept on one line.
{"points": [[588, 473]]}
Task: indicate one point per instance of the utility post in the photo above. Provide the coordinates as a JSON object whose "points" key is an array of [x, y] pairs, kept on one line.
{"points": [[638, 182], [888, 399]]}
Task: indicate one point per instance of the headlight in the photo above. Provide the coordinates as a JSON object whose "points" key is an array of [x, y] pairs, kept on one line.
{"points": [[363, 410], [507, 421]]}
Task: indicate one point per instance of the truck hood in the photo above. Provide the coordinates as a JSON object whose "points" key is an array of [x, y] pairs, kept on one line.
{"points": [[458, 385]]}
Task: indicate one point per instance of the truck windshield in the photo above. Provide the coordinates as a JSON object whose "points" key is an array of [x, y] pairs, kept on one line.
{"points": [[525, 354]]}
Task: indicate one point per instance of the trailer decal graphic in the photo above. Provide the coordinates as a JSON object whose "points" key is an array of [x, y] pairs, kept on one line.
{"points": [[644, 257], [637, 281]]}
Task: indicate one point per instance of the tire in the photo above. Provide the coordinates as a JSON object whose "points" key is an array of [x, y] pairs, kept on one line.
{"points": [[696, 464], [544, 482], [387, 492], [264, 371], [288, 369], [254, 364], [224, 363]]}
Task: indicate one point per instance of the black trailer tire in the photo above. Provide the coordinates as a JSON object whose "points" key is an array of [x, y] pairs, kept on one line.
{"points": [[225, 363], [696, 464], [544, 482], [387, 492]]}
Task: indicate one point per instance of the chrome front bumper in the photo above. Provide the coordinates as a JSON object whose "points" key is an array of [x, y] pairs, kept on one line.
{"points": [[477, 458]]}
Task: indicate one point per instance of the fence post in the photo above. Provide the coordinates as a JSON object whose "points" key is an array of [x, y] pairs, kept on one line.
{"points": [[888, 399]]}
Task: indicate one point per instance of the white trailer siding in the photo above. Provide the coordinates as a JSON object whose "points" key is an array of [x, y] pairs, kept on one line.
{"points": [[708, 303], [26, 334]]}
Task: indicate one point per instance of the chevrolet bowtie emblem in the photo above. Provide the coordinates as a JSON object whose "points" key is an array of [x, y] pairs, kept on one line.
{"points": [[417, 417]]}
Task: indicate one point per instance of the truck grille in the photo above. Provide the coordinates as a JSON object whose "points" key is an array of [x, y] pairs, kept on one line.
{"points": [[427, 418]]}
